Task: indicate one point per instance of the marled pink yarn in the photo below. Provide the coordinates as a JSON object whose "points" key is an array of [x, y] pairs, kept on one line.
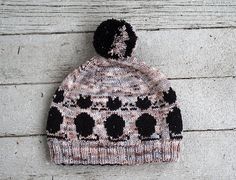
{"points": [[127, 80]]}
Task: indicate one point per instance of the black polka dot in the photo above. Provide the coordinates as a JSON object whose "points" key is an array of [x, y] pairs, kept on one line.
{"points": [[84, 124], [113, 104], [114, 126], [146, 125], [59, 96], [170, 96], [174, 120], [143, 103], [54, 120], [84, 102]]}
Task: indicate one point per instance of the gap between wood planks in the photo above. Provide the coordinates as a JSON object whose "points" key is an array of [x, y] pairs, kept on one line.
{"points": [[58, 82], [80, 32], [185, 131]]}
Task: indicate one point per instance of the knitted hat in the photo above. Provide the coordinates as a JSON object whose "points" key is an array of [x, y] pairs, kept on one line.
{"points": [[114, 109]]}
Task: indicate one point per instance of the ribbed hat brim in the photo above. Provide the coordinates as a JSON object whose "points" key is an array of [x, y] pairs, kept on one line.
{"points": [[120, 153]]}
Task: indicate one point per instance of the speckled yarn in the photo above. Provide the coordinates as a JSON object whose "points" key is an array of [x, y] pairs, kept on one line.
{"points": [[114, 110]]}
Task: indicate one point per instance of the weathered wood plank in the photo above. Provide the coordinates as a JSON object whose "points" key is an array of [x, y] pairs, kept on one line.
{"points": [[25, 108], [178, 53], [68, 16], [205, 155], [205, 103], [29, 177]]}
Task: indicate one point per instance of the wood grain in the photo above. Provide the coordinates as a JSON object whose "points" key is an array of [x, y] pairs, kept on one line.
{"points": [[46, 16], [205, 104], [213, 152], [177, 53]]}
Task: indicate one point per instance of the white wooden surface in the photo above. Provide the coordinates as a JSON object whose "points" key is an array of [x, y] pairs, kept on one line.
{"points": [[46, 16], [193, 42]]}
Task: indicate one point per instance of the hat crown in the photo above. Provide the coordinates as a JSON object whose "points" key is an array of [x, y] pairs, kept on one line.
{"points": [[101, 76]]}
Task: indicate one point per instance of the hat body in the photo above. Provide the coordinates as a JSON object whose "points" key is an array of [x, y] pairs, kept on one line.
{"points": [[111, 111]]}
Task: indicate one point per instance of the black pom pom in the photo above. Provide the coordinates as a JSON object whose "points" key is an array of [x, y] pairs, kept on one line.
{"points": [[114, 39]]}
